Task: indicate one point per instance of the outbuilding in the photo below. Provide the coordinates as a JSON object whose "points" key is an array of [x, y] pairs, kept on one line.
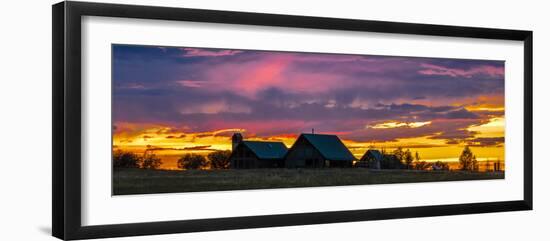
{"points": [[371, 159]]}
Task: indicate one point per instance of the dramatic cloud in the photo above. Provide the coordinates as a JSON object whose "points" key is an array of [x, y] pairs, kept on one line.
{"points": [[491, 71], [196, 92]]}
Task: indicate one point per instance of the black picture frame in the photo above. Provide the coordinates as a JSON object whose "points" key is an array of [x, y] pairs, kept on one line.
{"points": [[66, 47]]}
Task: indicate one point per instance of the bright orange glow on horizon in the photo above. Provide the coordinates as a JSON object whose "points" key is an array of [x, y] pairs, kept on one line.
{"points": [[170, 144]]}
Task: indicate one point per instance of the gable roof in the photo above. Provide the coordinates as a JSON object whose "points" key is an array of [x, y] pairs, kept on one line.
{"points": [[330, 147], [374, 153], [266, 150]]}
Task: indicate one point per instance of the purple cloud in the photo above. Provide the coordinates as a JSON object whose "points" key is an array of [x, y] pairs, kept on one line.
{"points": [[270, 93], [196, 52]]}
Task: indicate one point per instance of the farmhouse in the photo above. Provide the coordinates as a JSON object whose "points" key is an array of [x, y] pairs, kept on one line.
{"points": [[256, 154], [372, 159], [315, 150]]}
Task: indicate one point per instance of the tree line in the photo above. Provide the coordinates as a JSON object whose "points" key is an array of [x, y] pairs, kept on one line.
{"points": [[397, 159], [404, 159], [125, 159], [467, 162], [214, 160]]}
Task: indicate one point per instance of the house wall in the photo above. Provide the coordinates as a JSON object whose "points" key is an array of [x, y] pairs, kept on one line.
{"points": [[303, 154], [331, 163], [269, 163], [369, 161], [243, 158]]}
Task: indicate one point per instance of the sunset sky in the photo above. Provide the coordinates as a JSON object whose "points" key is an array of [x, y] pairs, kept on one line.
{"points": [[193, 99]]}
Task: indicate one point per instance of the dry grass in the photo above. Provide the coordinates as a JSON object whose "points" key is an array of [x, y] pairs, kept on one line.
{"points": [[140, 181]]}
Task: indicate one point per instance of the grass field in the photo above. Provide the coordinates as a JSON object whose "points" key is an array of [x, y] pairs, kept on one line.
{"points": [[142, 181]]}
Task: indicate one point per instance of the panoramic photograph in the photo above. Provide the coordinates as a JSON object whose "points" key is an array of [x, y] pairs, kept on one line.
{"points": [[192, 119]]}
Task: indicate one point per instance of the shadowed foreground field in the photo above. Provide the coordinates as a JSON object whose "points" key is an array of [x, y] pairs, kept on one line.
{"points": [[142, 181]]}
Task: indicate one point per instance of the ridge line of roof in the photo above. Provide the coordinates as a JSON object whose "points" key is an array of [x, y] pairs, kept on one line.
{"points": [[335, 137], [314, 134], [264, 141]]}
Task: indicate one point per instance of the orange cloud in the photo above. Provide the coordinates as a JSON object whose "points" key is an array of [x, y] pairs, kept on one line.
{"points": [[396, 124]]}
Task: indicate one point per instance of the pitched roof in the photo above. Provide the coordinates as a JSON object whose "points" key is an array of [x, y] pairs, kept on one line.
{"points": [[374, 153], [330, 146], [267, 150]]}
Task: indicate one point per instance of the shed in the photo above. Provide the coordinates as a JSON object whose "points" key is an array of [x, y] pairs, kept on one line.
{"points": [[372, 159]]}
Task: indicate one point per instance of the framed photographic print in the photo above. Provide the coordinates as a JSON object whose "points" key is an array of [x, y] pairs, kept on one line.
{"points": [[170, 120]]}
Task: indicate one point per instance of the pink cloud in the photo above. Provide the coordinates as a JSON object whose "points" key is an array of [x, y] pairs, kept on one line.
{"points": [[245, 78], [431, 69], [298, 73], [275, 71], [193, 52], [215, 107], [262, 76], [191, 83]]}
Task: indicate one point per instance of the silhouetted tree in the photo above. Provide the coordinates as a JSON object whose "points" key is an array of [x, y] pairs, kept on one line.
{"points": [[408, 159], [124, 159], [405, 157], [498, 165], [391, 162], [399, 153], [192, 161], [475, 165], [219, 159], [151, 161], [418, 165], [467, 160]]}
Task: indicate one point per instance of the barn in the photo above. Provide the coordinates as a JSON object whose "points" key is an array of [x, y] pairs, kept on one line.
{"points": [[257, 154], [318, 150], [372, 159]]}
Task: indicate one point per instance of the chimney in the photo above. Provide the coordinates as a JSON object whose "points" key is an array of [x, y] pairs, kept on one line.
{"points": [[235, 140], [312, 131]]}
